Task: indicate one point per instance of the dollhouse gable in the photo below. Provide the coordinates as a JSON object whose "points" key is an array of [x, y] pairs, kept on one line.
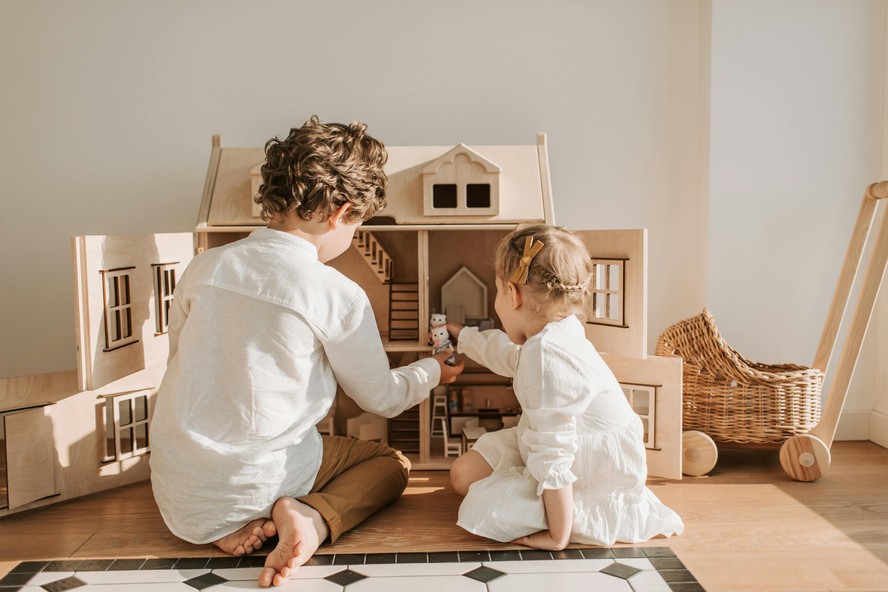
{"points": [[461, 182]]}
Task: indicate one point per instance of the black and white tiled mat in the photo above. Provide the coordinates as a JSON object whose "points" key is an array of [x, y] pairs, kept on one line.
{"points": [[625, 569]]}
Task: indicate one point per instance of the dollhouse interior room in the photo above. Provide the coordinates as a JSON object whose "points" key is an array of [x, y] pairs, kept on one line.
{"points": [[726, 173]]}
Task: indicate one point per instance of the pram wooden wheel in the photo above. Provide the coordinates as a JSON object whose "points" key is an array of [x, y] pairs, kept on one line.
{"points": [[699, 453], [805, 457]]}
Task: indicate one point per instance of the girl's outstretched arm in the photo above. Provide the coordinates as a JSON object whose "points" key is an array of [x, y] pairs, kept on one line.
{"points": [[559, 515]]}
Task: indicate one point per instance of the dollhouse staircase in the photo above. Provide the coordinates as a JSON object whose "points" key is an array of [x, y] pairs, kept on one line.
{"points": [[403, 297], [403, 312], [372, 252]]}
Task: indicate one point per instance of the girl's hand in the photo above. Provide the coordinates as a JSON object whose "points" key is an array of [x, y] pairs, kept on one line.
{"points": [[449, 373], [454, 329], [541, 540], [559, 515]]}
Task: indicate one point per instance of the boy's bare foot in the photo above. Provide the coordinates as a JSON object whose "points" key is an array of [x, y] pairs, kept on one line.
{"points": [[248, 538], [301, 530]]}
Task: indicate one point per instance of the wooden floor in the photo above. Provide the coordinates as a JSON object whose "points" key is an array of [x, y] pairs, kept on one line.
{"points": [[748, 527]]}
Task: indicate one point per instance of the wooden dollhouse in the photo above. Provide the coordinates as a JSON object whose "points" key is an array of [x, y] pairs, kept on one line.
{"points": [[67, 434], [431, 251]]}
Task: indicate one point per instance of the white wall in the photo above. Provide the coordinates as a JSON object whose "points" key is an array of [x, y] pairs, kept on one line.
{"points": [[796, 136], [107, 109]]}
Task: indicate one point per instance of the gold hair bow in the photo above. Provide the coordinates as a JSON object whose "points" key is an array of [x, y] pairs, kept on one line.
{"points": [[519, 276]]}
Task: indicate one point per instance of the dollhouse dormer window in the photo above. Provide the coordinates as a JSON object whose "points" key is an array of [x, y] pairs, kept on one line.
{"points": [[461, 183], [164, 285], [608, 292], [117, 289]]}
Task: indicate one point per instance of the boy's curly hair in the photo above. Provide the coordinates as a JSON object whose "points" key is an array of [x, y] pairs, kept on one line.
{"points": [[319, 167], [559, 275]]}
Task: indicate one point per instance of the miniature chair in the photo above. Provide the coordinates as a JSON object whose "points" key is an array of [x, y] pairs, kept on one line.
{"points": [[451, 445], [439, 411]]}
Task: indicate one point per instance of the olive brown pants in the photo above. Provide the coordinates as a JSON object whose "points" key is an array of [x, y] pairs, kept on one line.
{"points": [[356, 478]]}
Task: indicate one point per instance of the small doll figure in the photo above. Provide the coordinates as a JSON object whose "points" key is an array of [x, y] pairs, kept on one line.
{"points": [[441, 343], [436, 320]]}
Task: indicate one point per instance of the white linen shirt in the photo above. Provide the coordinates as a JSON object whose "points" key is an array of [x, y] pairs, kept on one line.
{"points": [[564, 389], [260, 334]]}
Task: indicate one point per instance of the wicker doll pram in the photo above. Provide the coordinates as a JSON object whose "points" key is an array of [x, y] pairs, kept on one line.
{"points": [[734, 400], [728, 399]]}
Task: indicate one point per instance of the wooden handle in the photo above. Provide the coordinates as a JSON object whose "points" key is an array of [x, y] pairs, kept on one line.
{"points": [[878, 190]]}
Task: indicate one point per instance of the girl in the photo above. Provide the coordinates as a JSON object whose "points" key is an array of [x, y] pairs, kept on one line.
{"points": [[573, 469]]}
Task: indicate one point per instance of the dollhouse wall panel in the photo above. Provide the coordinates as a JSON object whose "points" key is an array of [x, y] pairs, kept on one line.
{"points": [[37, 389], [115, 278], [231, 198], [30, 456], [450, 250], [629, 249], [664, 374]]}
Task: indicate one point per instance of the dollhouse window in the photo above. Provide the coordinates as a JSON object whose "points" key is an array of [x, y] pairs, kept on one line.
{"points": [[126, 425], [117, 289], [478, 195], [164, 286], [608, 292], [444, 195], [643, 400]]}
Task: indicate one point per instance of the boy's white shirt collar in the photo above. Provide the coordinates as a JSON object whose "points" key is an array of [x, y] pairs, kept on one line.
{"points": [[298, 241]]}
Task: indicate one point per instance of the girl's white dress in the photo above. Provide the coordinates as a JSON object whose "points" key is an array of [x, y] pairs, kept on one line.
{"points": [[577, 428]]}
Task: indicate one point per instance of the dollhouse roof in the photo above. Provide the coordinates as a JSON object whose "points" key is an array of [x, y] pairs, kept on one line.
{"points": [[457, 150], [524, 186]]}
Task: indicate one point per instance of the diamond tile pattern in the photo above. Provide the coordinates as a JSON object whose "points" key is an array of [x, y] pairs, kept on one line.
{"points": [[345, 577], [68, 583], [484, 574], [624, 569], [205, 581]]}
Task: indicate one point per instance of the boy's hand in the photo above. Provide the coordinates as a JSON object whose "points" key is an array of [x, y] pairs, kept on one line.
{"points": [[448, 373], [454, 329]]}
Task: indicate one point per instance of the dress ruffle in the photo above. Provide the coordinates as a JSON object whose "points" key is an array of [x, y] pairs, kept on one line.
{"points": [[611, 501]]}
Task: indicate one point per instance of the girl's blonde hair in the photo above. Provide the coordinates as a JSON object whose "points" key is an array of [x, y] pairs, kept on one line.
{"points": [[558, 275]]}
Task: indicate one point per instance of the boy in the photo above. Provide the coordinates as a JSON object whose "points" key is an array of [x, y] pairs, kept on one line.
{"points": [[261, 333]]}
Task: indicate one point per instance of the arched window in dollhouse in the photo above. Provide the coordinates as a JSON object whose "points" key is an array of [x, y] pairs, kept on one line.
{"points": [[164, 285], [117, 291], [126, 425], [608, 292], [643, 400]]}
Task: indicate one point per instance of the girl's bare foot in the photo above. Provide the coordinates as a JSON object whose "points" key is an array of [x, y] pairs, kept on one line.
{"points": [[301, 530], [248, 538]]}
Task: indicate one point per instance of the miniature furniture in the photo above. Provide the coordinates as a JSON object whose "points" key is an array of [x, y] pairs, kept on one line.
{"points": [[451, 445], [439, 412], [803, 434], [470, 435]]}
